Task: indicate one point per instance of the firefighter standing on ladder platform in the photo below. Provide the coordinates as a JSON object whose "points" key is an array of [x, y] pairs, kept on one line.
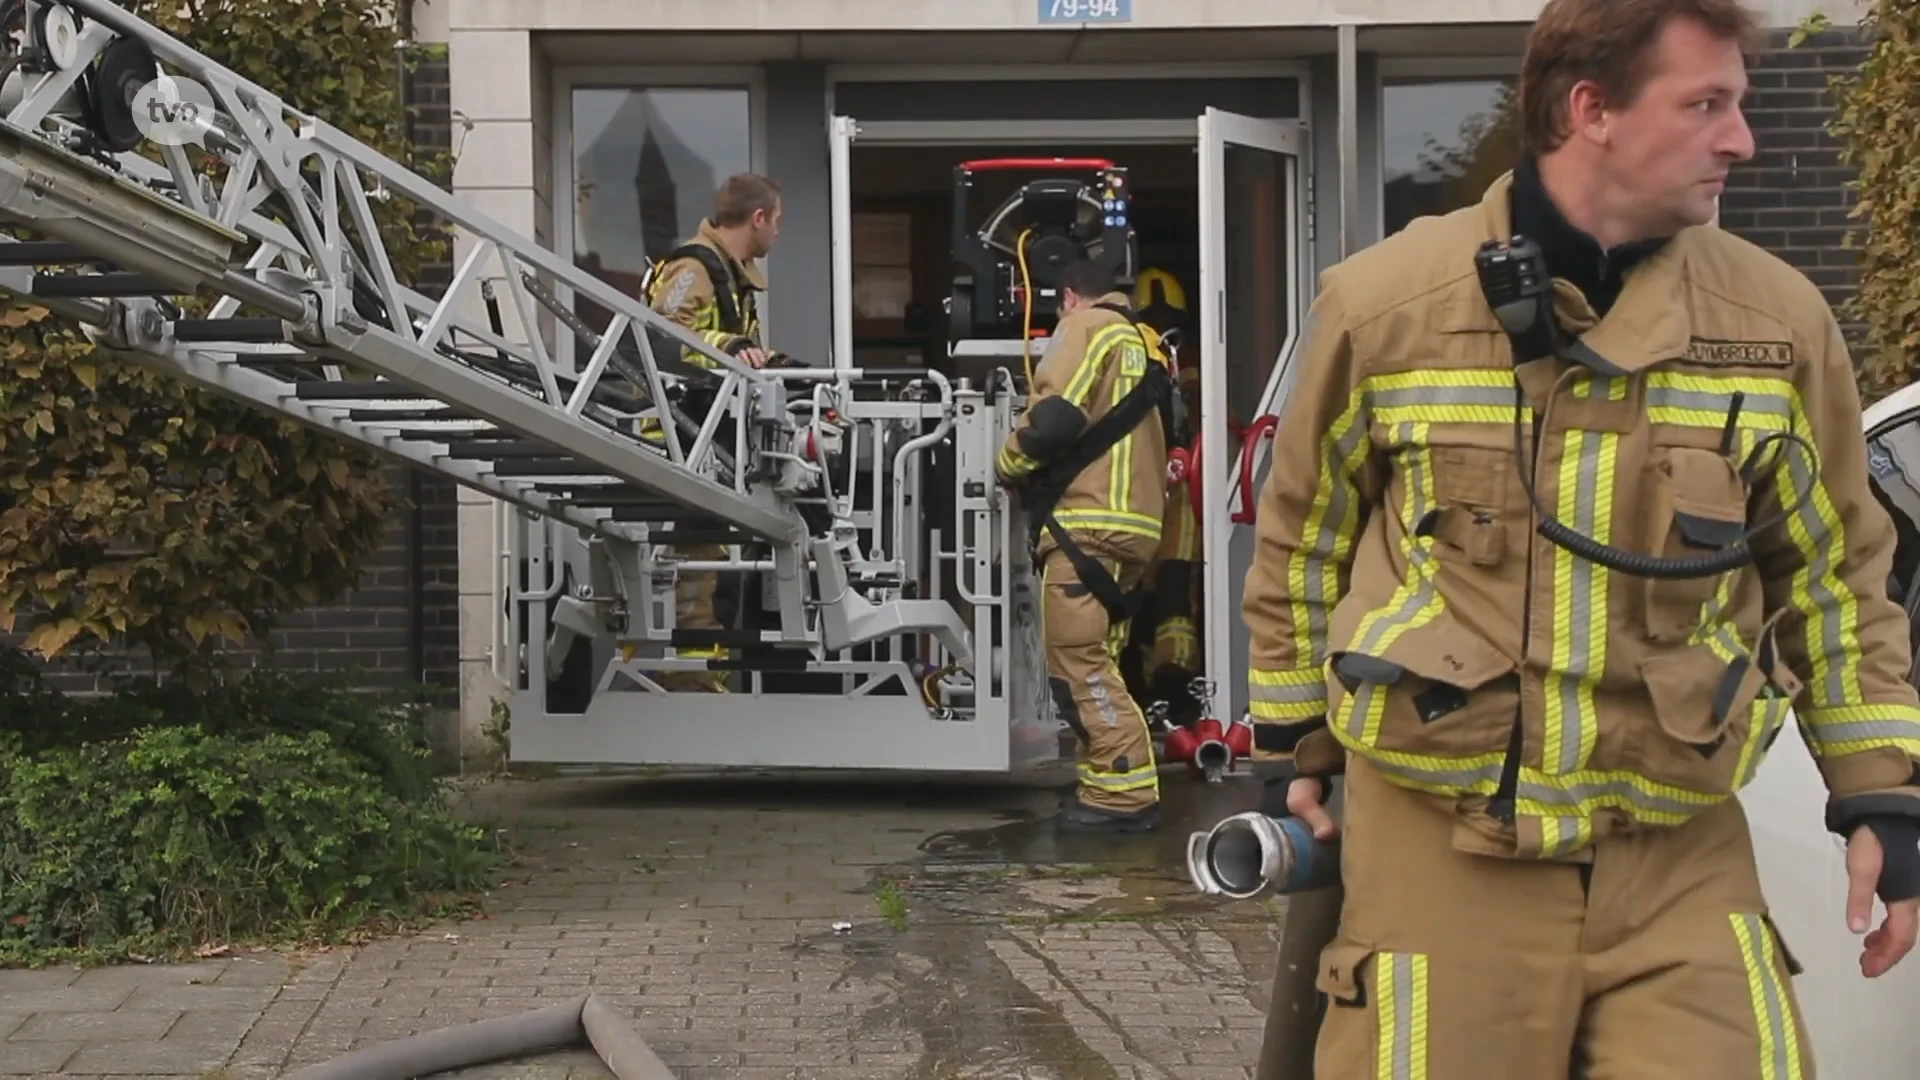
{"points": [[1503, 579], [708, 285], [1089, 458]]}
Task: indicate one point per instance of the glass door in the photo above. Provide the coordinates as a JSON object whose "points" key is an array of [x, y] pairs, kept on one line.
{"points": [[1251, 299]]}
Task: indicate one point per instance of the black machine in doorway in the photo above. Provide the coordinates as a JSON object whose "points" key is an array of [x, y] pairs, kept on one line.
{"points": [[902, 200]]}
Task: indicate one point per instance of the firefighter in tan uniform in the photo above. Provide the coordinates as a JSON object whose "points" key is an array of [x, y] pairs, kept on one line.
{"points": [[1172, 658], [709, 285], [1454, 600], [1097, 527]]}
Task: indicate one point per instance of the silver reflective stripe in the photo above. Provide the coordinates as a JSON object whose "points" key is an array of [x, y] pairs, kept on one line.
{"points": [[1402, 1016], [1779, 1038]]}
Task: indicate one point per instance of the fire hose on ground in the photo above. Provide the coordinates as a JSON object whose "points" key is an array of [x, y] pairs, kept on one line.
{"points": [[589, 1019]]}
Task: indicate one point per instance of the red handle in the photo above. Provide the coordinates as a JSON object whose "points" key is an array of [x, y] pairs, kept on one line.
{"points": [[1261, 429], [1005, 164]]}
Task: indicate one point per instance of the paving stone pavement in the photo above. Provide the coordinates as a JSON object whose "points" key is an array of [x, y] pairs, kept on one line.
{"points": [[753, 926]]}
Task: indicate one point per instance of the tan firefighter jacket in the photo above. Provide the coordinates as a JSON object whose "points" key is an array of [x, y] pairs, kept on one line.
{"points": [[683, 290], [1095, 358], [1401, 604], [1176, 571]]}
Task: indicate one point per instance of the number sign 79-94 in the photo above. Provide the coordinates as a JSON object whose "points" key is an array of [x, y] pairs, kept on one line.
{"points": [[1085, 11]]}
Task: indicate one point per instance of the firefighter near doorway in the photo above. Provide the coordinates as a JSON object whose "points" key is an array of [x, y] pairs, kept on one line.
{"points": [[1163, 658], [1088, 459], [710, 285], [1569, 514]]}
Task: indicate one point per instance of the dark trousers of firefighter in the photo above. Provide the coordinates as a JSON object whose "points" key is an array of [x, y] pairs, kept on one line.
{"points": [[1655, 962], [1116, 766]]}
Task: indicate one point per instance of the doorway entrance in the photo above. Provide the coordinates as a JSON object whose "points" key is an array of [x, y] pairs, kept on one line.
{"points": [[1219, 201]]}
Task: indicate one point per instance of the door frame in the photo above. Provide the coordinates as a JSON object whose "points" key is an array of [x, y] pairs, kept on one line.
{"points": [[1219, 488]]}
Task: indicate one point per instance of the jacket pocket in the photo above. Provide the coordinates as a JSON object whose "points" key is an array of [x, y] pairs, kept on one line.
{"points": [[1473, 466], [1707, 700], [1343, 972], [1421, 682], [1698, 504]]}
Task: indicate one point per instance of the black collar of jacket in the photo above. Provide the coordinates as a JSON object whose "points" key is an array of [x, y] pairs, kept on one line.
{"points": [[1572, 255]]}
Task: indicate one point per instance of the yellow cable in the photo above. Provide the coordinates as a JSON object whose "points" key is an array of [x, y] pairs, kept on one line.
{"points": [[1026, 291]]}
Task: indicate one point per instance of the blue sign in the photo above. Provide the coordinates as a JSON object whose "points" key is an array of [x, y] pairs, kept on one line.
{"points": [[1086, 11]]}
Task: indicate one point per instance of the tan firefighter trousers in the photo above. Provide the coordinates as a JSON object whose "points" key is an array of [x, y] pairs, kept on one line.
{"points": [[1655, 962], [1116, 766], [693, 610]]}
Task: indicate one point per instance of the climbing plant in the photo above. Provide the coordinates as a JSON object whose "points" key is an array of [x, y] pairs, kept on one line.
{"points": [[1877, 111], [135, 507]]}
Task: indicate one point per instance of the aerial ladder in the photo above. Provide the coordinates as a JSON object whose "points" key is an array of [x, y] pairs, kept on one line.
{"points": [[816, 480]]}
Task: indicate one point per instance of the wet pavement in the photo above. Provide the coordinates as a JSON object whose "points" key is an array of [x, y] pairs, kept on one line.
{"points": [[753, 926]]}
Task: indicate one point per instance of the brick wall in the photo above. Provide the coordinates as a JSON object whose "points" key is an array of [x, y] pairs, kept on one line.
{"points": [[1793, 197], [402, 624]]}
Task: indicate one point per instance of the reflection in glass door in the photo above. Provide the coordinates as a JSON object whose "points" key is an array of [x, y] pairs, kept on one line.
{"points": [[646, 165], [1251, 260]]}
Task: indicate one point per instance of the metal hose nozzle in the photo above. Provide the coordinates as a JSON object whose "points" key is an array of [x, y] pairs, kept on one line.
{"points": [[1251, 854]]}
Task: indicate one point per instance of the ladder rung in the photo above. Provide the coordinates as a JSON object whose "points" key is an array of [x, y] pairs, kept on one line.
{"points": [[115, 283], [409, 416], [327, 390], [44, 253], [657, 511], [497, 449], [683, 537], [546, 467], [249, 330]]}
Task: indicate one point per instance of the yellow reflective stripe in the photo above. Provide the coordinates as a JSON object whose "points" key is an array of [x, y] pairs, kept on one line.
{"points": [[1123, 521], [1315, 571], [1133, 365], [1829, 607], [1080, 386], [1769, 715], [1315, 568], [1414, 604], [1299, 694], [1539, 795], [1470, 396], [1146, 776], [1773, 1019], [1013, 462], [1579, 655], [1400, 989], [1592, 387]]}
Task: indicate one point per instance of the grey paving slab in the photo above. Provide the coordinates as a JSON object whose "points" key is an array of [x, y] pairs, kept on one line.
{"points": [[752, 926]]}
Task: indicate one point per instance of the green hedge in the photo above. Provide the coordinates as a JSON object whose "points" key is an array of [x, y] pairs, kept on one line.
{"points": [[159, 819]]}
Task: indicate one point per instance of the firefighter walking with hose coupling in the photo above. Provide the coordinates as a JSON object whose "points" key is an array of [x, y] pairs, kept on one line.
{"points": [[1088, 459], [1569, 514]]}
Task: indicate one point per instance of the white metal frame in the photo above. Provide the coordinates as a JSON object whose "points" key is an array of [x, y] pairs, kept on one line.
{"points": [[1415, 70], [1219, 461], [566, 80]]}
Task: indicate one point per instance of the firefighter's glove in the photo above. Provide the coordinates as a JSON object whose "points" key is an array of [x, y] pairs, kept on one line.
{"points": [[1900, 869]]}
